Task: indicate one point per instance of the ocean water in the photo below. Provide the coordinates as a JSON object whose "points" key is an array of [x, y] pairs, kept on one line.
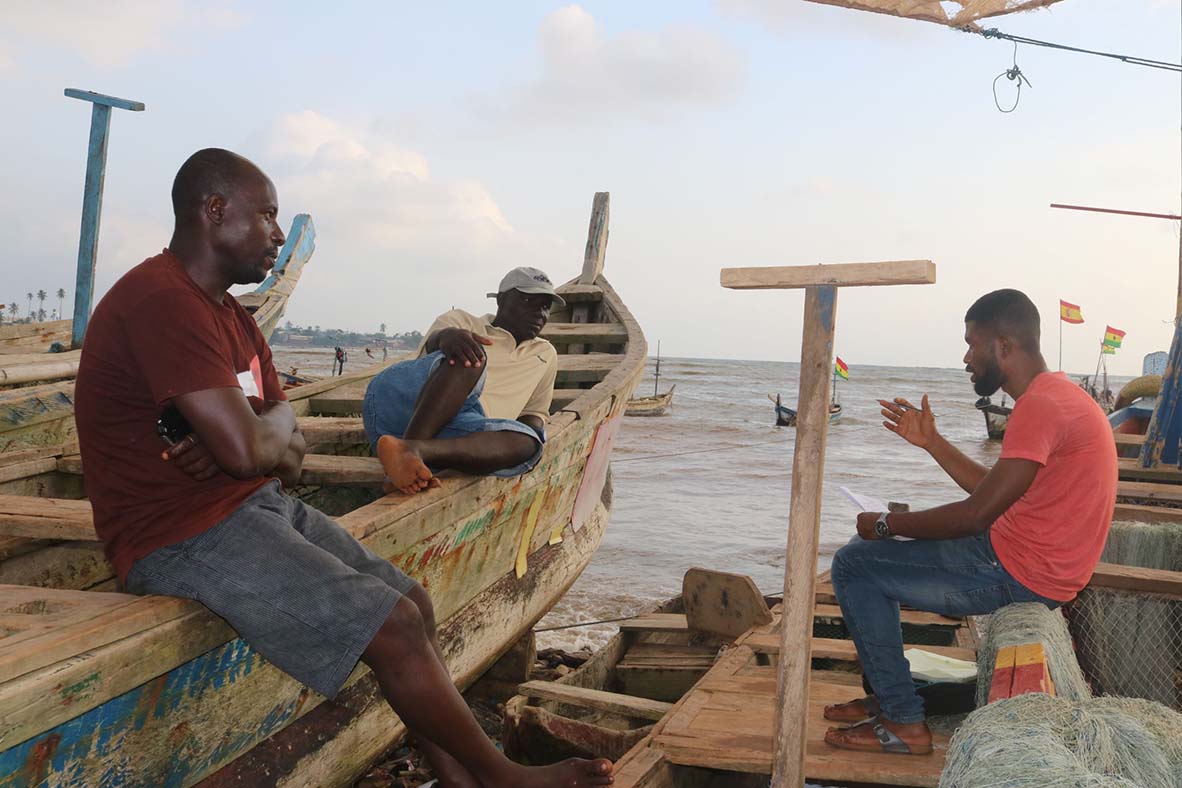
{"points": [[709, 484]]}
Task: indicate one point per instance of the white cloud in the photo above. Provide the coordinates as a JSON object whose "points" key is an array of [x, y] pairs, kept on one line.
{"points": [[110, 33], [587, 74], [388, 232]]}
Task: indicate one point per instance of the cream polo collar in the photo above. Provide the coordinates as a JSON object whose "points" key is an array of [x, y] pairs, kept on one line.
{"points": [[490, 328]]}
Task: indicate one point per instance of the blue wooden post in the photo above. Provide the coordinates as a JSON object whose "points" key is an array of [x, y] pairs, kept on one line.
{"points": [[92, 201], [1164, 436]]}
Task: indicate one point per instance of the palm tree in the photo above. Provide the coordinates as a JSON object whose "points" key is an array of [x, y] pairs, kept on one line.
{"points": [[61, 298], [41, 296], [30, 309], [41, 315], [382, 328], [13, 308]]}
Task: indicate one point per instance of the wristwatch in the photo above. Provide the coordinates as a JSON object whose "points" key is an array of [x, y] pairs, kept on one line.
{"points": [[881, 529]]}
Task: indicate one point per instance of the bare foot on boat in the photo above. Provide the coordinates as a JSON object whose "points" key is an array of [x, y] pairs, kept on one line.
{"points": [[571, 773], [854, 711], [903, 738], [403, 466]]}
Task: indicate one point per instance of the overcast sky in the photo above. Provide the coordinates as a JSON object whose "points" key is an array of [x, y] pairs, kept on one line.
{"points": [[436, 145]]}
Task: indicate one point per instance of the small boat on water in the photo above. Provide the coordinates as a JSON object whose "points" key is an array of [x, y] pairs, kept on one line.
{"points": [[657, 404], [103, 688], [786, 417], [996, 416], [1135, 403]]}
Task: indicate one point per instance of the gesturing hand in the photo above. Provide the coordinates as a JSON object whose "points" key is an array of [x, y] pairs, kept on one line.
{"points": [[460, 346], [191, 456], [914, 425]]}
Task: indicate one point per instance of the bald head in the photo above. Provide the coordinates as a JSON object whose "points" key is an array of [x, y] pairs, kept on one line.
{"points": [[206, 173], [227, 220]]}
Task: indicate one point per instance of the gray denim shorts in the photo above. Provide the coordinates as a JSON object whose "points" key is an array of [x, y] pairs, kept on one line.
{"points": [[295, 585]]}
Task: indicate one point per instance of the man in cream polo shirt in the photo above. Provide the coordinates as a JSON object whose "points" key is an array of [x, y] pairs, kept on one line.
{"points": [[477, 397]]}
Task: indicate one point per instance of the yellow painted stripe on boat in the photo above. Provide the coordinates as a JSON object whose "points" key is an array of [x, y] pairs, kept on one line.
{"points": [[531, 522]]}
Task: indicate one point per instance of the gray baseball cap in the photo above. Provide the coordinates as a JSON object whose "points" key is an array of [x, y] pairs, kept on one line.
{"points": [[528, 280]]}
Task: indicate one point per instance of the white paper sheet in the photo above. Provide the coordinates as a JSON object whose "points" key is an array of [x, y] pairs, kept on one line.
{"points": [[868, 503]]}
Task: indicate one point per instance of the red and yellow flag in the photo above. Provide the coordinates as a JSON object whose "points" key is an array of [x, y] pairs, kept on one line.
{"points": [[1113, 337], [842, 369], [1069, 313]]}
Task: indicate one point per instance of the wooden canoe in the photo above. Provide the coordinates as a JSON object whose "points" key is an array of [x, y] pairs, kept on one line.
{"points": [[37, 387], [98, 687], [651, 406]]}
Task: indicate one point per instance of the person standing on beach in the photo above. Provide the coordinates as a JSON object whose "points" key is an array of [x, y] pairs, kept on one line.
{"points": [[1031, 529], [168, 350], [477, 397]]}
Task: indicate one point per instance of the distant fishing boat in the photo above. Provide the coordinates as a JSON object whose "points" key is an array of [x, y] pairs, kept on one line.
{"points": [[657, 404], [786, 416], [996, 416]]}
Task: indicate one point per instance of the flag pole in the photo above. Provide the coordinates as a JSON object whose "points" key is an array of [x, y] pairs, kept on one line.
{"points": [[1060, 339]]}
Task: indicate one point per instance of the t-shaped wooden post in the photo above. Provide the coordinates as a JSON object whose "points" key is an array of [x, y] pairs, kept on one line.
{"points": [[820, 283]]}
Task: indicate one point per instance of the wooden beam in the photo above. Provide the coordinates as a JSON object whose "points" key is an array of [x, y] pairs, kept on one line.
{"points": [[1146, 514], [782, 277], [598, 333], [1150, 491], [656, 622], [843, 650], [804, 517], [581, 294], [46, 518], [334, 469], [1123, 439], [597, 232], [1130, 469], [321, 430], [586, 367], [599, 700], [1136, 578]]}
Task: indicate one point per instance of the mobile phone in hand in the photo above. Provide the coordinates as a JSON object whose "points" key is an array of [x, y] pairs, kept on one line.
{"points": [[172, 426]]}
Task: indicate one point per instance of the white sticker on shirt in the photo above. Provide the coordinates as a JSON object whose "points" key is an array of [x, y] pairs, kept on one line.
{"points": [[251, 380]]}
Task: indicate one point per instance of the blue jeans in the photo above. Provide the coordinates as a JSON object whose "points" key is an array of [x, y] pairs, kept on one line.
{"points": [[390, 401], [954, 577]]}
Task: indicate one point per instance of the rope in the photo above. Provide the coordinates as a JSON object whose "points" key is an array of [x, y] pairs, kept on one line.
{"points": [[700, 451], [1132, 60], [1013, 74]]}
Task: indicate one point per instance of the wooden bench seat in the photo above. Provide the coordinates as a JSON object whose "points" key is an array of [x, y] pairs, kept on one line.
{"points": [[599, 700], [34, 517]]}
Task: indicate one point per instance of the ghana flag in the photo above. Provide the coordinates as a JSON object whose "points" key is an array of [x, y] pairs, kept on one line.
{"points": [[1069, 313], [842, 369], [1113, 337], [1107, 349]]}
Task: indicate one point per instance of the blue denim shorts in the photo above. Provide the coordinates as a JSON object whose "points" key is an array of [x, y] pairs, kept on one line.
{"points": [[291, 582], [390, 401]]}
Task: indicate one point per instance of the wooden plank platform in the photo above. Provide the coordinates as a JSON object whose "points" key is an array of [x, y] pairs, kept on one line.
{"points": [[841, 650], [1170, 494], [599, 700], [728, 721]]}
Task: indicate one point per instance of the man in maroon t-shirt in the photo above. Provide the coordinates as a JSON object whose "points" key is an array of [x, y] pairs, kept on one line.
{"points": [[204, 516]]}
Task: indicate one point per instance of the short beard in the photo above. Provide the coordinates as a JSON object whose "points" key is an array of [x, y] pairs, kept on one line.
{"points": [[989, 381]]}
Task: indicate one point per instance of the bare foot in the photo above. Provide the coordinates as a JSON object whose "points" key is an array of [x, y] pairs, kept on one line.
{"points": [[916, 735], [571, 773], [854, 711], [403, 466]]}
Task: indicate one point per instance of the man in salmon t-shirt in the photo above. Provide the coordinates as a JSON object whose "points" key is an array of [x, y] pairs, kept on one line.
{"points": [[203, 515], [1031, 529]]}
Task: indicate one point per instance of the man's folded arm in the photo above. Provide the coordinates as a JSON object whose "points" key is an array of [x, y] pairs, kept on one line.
{"points": [[244, 445]]}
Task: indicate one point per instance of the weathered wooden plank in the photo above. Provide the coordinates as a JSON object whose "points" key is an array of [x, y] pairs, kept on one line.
{"points": [[336, 406], [586, 367], [598, 333], [1136, 578], [1123, 439], [327, 430], [46, 518], [12, 333], [1130, 468], [916, 617], [900, 272], [334, 469], [842, 650], [579, 294], [1147, 514], [1150, 491], [656, 622], [597, 234], [722, 603], [611, 702]]}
